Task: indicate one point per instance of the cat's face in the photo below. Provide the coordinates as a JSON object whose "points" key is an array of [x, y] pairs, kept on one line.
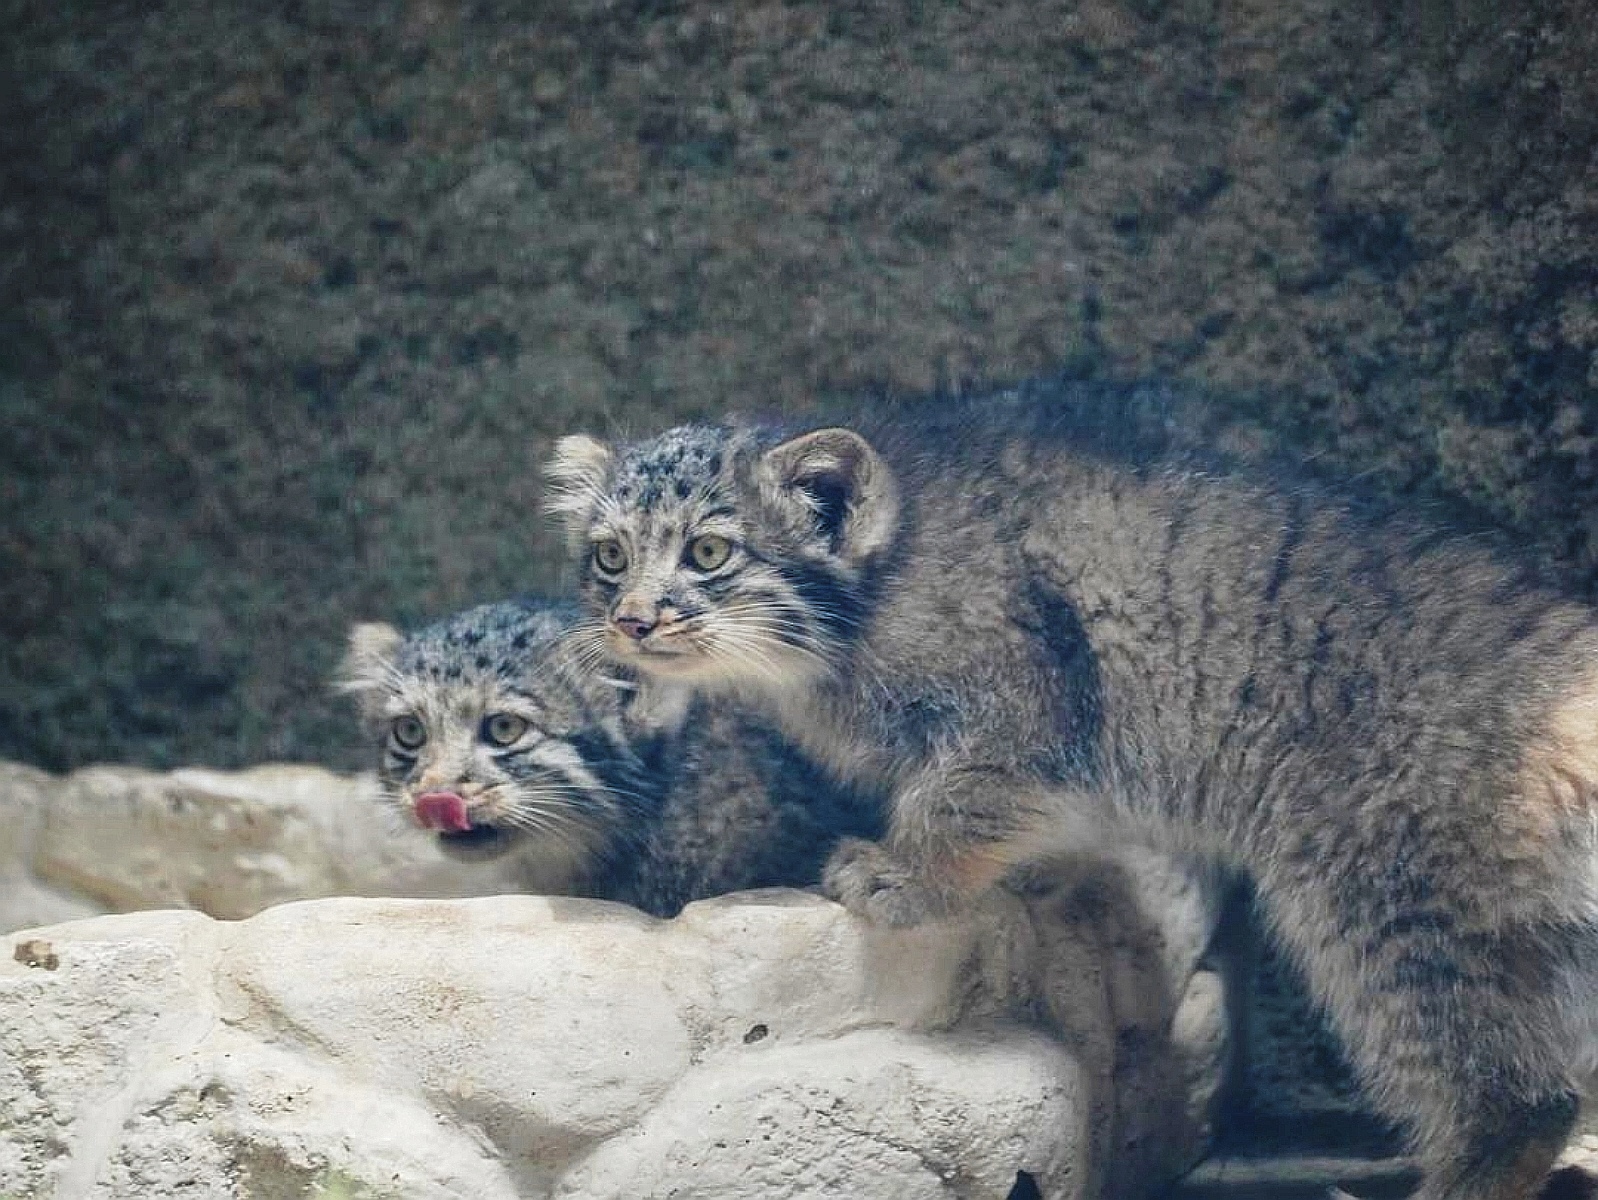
{"points": [[714, 558], [489, 738]]}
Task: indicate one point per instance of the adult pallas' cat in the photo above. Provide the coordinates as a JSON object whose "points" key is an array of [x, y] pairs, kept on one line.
{"points": [[1031, 635]]}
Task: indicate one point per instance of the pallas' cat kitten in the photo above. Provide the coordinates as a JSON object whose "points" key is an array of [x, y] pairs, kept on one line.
{"points": [[494, 737], [1031, 636]]}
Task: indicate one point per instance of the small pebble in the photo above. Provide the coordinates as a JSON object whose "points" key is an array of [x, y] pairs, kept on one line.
{"points": [[36, 952]]}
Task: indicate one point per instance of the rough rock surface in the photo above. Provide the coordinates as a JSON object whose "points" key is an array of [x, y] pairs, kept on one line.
{"points": [[230, 843], [26, 899], [1125, 1049], [293, 296], [517, 1047]]}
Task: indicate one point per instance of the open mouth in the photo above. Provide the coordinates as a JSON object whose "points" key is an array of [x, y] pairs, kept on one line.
{"points": [[476, 838], [478, 844], [445, 813]]}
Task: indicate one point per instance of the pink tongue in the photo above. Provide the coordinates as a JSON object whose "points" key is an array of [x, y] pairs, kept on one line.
{"points": [[444, 811]]}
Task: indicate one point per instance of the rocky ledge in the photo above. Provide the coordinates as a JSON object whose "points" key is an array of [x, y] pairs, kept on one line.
{"points": [[516, 1046], [288, 1040], [1064, 1041]]}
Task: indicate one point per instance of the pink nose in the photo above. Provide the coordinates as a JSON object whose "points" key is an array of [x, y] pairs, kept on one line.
{"points": [[443, 811], [636, 628]]}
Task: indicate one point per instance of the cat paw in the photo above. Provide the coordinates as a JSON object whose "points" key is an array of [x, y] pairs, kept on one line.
{"points": [[867, 879]]}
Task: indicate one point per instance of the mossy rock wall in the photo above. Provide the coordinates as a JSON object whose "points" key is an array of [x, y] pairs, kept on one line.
{"points": [[294, 295]]}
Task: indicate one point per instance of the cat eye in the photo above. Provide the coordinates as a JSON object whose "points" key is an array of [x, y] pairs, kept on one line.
{"points": [[408, 732], [709, 551], [502, 729], [610, 555]]}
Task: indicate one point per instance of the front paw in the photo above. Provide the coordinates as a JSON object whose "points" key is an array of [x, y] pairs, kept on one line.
{"points": [[868, 880]]}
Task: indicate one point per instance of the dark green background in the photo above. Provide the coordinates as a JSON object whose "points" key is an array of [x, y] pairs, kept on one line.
{"points": [[293, 296]]}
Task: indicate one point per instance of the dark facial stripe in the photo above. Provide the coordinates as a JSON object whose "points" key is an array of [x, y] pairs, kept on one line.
{"points": [[839, 608], [614, 765], [722, 587]]}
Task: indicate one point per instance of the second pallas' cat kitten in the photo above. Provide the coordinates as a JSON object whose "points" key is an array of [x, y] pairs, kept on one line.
{"points": [[492, 736], [1032, 637]]}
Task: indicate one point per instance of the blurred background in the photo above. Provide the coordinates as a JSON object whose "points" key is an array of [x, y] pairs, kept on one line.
{"points": [[294, 295]]}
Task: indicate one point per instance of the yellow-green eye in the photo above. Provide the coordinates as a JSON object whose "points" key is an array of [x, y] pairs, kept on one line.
{"points": [[610, 555], [408, 732], [503, 728], [709, 551]]}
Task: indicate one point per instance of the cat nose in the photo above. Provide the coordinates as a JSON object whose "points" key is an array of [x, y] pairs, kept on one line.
{"points": [[636, 628], [635, 616]]}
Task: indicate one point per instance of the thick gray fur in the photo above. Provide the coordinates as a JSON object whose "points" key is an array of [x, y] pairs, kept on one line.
{"points": [[606, 795], [1031, 630]]}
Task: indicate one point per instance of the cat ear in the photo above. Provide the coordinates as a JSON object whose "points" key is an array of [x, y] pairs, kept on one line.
{"points": [[368, 662], [576, 474], [842, 484]]}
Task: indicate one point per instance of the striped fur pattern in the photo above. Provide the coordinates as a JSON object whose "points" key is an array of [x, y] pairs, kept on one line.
{"points": [[606, 789], [1034, 630]]}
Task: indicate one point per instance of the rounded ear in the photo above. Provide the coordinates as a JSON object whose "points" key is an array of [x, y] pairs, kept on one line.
{"points": [[576, 474], [368, 661], [843, 486]]}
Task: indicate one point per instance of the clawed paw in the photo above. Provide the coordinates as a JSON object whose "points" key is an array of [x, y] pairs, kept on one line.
{"points": [[868, 880]]}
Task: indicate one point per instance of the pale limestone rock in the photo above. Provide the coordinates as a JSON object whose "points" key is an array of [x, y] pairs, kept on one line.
{"points": [[1583, 1148], [25, 795], [24, 792], [1582, 1151], [25, 902], [229, 843], [762, 1045], [533, 1047], [857, 1095]]}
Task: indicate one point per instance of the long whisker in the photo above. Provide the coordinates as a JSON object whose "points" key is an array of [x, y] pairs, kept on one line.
{"points": [[583, 647], [565, 833], [748, 623], [748, 649]]}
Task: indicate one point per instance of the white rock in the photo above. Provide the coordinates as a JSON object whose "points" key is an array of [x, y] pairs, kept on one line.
{"points": [[765, 1045], [528, 1047], [1582, 1151], [25, 796], [25, 902], [229, 843], [858, 1096]]}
